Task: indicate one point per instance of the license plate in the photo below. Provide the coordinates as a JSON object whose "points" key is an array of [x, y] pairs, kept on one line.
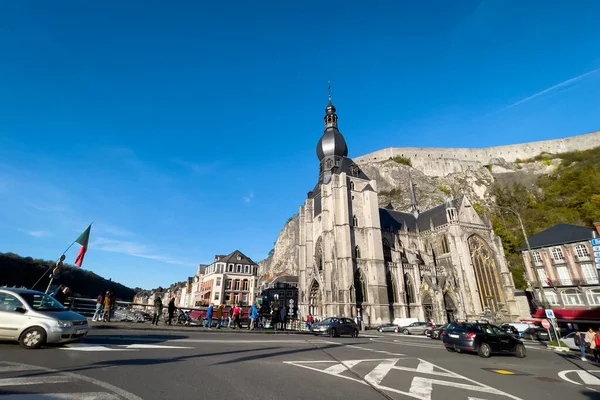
{"points": [[453, 336], [80, 332]]}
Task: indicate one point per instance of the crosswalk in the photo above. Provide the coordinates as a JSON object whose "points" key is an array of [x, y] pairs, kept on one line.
{"points": [[30, 382]]}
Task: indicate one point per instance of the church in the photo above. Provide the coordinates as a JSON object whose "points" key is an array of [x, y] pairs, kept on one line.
{"points": [[441, 264]]}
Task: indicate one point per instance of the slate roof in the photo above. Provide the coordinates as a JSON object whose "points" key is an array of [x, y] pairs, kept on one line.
{"points": [[395, 220], [232, 258], [560, 234]]}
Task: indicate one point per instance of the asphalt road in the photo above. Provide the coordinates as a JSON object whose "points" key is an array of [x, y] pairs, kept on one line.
{"points": [[135, 364]]}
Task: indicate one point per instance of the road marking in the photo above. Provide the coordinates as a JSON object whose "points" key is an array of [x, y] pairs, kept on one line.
{"points": [[503, 372], [360, 348], [34, 381], [88, 347], [67, 396], [585, 376], [18, 368], [380, 371], [153, 346]]}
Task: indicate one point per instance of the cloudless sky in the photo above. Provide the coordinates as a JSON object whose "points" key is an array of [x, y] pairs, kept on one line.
{"points": [[188, 129]]}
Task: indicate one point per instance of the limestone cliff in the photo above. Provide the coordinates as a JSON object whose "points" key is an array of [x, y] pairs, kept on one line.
{"points": [[284, 258]]}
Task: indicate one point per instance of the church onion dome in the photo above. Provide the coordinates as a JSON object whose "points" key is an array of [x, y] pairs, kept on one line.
{"points": [[332, 143]]}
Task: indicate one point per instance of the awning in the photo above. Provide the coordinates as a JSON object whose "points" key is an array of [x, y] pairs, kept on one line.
{"points": [[571, 314]]}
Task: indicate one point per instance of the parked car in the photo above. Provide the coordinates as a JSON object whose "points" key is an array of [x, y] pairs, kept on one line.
{"points": [[481, 338], [436, 333], [416, 328], [33, 319], [335, 327], [535, 334], [388, 328]]}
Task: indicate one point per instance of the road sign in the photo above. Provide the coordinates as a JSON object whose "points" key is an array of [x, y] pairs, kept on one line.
{"points": [[596, 248], [546, 324], [549, 314], [595, 242]]}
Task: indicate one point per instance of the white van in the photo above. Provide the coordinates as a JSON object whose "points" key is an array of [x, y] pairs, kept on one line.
{"points": [[402, 322]]}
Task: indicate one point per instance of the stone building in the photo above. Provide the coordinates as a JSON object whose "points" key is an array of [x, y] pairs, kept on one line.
{"points": [[442, 264]]}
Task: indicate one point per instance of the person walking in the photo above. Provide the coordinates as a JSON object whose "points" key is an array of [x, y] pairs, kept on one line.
{"points": [[158, 306], [580, 342], [219, 316], [99, 305], [106, 311], [171, 309], [309, 321], [283, 316], [237, 311], [209, 315], [253, 317], [113, 303], [596, 346], [229, 316]]}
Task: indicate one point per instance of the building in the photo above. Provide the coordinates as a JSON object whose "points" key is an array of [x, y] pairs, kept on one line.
{"points": [[442, 264], [283, 289], [230, 280], [196, 295], [563, 258]]}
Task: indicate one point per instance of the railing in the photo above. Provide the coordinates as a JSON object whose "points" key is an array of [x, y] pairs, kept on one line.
{"points": [[566, 282]]}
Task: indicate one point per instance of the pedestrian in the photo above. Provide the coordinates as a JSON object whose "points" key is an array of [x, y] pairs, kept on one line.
{"points": [[309, 321], [596, 347], [171, 309], [158, 306], [99, 305], [580, 342], [106, 311], [274, 318], [209, 315], [253, 317], [61, 294], [219, 316], [113, 303], [283, 316], [237, 311], [230, 316]]}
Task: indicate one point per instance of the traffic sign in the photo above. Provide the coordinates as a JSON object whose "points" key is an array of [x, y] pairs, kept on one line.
{"points": [[597, 254], [595, 242], [596, 248], [546, 324], [549, 314]]}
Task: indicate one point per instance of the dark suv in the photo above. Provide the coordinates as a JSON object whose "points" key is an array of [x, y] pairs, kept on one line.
{"points": [[481, 338]]}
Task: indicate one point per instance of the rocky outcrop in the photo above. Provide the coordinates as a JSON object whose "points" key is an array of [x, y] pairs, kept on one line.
{"points": [[285, 255]]}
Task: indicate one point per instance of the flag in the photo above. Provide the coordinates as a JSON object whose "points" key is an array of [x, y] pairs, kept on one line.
{"points": [[83, 240]]}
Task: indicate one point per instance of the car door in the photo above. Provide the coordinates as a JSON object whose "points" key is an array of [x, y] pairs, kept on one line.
{"points": [[348, 326], [10, 319], [502, 338]]}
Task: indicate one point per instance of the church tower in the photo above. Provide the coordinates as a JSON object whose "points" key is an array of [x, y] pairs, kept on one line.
{"points": [[340, 252]]}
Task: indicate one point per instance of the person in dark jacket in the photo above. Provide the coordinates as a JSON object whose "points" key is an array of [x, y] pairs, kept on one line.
{"points": [[171, 309], [580, 342]]}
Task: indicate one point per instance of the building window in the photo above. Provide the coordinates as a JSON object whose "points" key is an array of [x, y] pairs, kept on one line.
{"points": [[564, 276], [354, 221], [352, 186], [228, 284], [537, 257], [551, 297], [581, 251], [218, 281], [387, 250], [557, 254], [543, 277], [594, 297], [244, 299], [290, 294], [357, 252], [445, 246], [239, 268], [227, 297], [247, 269], [217, 296], [572, 297], [230, 269], [590, 275], [245, 284], [237, 285], [239, 257]]}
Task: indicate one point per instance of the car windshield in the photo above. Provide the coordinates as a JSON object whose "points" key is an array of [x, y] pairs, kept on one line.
{"points": [[330, 320], [42, 302]]}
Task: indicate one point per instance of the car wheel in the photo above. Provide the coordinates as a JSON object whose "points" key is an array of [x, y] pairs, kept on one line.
{"points": [[520, 351], [355, 333], [405, 331], [332, 332], [450, 349], [396, 330], [33, 338], [485, 350]]}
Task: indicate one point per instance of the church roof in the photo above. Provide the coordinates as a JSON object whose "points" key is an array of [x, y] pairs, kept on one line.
{"points": [[396, 220], [560, 234]]}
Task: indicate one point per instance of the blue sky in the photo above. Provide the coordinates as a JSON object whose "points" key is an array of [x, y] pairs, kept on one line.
{"points": [[185, 130]]}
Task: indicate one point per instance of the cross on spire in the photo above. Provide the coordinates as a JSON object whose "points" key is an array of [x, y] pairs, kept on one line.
{"points": [[329, 89]]}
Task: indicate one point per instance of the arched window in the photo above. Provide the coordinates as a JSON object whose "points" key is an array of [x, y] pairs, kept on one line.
{"points": [[581, 251], [319, 254], [354, 221], [572, 297], [594, 297], [360, 287], [391, 288], [314, 299], [356, 252], [387, 250], [486, 273], [445, 245], [427, 307], [351, 185], [410, 290]]}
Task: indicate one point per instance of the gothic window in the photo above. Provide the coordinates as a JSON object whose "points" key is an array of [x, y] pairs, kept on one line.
{"points": [[427, 307], [354, 221], [445, 245], [391, 288], [410, 290], [356, 252], [387, 250], [329, 164], [486, 273], [319, 254], [360, 288], [314, 300], [351, 185]]}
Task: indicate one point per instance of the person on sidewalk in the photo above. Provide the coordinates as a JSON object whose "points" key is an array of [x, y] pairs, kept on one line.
{"points": [[590, 343], [106, 311], [283, 316], [229, 316], [580, 342], [158, 306], [171, 309], [209, 315], [99, 305], [253, 317], [237, 311], [219, 316], [596, 346]]}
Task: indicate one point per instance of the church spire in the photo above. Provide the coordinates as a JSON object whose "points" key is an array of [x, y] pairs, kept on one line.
{"points": [[414, 206], [331, 118]]}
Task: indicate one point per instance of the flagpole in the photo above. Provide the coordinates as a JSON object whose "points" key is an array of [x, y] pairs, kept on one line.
{"points": [[52, 266]]}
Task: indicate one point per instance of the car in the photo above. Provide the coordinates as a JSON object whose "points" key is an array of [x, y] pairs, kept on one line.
{"points": [[436, 333], [535, 334], [482, 338], [34, 319], [416, 328], [388, 328], [335, 326]]}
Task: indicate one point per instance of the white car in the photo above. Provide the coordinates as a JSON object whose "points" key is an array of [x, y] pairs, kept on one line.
{"points": [[33, 319], [569, 340]]}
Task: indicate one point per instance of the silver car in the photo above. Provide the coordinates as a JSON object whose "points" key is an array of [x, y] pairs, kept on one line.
{"points": [[417, 328], [33, 319]]}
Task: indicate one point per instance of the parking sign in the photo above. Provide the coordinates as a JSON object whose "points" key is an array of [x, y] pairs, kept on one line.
{"points": [[595, 242], [549, 313]]}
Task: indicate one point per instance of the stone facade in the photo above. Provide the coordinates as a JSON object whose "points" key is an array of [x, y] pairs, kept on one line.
{"points": [[442, 264]]}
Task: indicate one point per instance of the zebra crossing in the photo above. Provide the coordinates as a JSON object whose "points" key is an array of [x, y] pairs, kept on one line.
{"points": [[30, 382]]}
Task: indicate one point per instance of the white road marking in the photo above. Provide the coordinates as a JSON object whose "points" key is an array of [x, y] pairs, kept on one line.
{"points": [[421, 388], [88, 347], [585, 376], [66, 396], [153, 346], [34, 381], [380, 371], [18, 368]]}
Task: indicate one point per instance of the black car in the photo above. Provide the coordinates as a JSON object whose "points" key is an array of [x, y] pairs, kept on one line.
{"points": [[436, 333], [481, 338], [335, 327], [536, 334]]}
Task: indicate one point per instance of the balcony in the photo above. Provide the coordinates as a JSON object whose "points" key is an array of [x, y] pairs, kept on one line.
{"points": [[567, 283]]}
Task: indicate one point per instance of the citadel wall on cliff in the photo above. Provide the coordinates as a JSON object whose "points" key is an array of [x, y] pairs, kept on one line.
{"points": [[444, 161]]}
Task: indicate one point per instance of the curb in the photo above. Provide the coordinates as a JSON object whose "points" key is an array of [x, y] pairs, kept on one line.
{"points": [[183, 328]]}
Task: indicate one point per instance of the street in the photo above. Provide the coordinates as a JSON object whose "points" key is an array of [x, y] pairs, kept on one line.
{"points": [[192, 364]]}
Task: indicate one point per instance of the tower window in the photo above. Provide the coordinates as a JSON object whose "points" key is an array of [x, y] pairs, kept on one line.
{"points": [[337, 162], [357, 252], [351, 185], [354, 170], [329, 164], [354, 221]]}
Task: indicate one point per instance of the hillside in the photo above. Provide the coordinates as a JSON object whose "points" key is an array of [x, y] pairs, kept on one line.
{"points": [[546, 189], [25, 271]]}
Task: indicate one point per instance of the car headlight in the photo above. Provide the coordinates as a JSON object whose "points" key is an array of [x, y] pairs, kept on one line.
{"points": [[65, 324]]}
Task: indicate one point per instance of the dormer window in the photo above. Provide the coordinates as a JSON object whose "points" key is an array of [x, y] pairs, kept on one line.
{"points": [[351, 185], [354, 170], [239, 257]]}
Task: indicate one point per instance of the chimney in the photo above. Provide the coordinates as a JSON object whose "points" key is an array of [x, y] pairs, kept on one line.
{"points": [[597, 225]]}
